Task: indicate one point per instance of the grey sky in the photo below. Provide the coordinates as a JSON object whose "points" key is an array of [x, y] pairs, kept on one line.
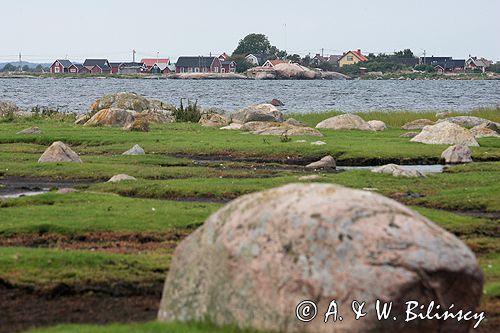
{"points": [[49, 29]]}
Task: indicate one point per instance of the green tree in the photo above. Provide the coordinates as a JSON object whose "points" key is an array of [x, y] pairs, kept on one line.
{"points": [[242, 65], [294, 58], [253, 43], [406, 53]]}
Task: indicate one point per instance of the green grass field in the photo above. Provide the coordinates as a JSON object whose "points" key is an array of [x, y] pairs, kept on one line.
{"points": [[112, 233]]}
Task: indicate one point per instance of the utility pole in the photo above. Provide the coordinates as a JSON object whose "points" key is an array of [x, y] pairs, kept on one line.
{"points": [[322, 52], [20, 63], [286, 41], [424, 57], [133, 55]]}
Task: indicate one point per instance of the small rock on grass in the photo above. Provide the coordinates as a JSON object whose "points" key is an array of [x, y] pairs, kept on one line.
{"points": [[397, 171], [31, 130], [318, 143], [327, 162], [120, 178], [310, 177], [457, 154], [59, 152], [135, 150]]}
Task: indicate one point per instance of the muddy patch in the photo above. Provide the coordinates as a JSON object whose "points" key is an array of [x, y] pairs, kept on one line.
{"points": [[122, 243], [14, 187], [23, 309]]}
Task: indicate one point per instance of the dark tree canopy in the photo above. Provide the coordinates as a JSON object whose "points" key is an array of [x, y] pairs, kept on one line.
{"points": [[255, 44], [406, 53]]}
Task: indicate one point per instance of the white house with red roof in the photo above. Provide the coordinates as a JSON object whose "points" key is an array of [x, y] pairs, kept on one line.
{"points": [[157, 63]]}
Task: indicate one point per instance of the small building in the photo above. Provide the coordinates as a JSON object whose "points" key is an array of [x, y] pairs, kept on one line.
{"points": [[272, 63], [150, 62], [475, 63], [257, 59], [82, 69], [61, 66], [132, 68], [444, 64], [115, 67], [97, 66], [351, 58], [228, 66], [198, 65]]}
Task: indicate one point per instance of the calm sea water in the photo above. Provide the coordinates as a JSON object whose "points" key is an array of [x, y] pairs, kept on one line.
{"points": [[298, 96]]}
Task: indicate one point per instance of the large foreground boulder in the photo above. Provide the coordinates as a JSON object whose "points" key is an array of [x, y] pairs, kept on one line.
{"points": [[252, 262], [111, 117], [59, 152], [260, 112], [446, 133], [346, 122], [457, 154]]}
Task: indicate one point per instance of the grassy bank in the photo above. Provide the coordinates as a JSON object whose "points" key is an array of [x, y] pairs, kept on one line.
{"points": [[118, 238]]}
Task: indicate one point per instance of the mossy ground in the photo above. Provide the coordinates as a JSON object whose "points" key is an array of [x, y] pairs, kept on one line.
{"points": [[126, 232]]}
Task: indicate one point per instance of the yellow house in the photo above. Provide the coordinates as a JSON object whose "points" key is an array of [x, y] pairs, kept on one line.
{"points": [[351, 57]]}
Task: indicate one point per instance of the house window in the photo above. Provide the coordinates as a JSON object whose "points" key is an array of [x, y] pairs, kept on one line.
{"points": [[197, 70], [216, 69], [350, 58], [223, 70], [73, 70], [57, 69]]}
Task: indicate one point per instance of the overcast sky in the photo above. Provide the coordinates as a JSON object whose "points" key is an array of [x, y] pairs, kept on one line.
{"points": [[49, 29]]}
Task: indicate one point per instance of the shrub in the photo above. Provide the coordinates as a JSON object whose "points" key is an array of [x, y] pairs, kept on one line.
{"points": [[191, 113]]}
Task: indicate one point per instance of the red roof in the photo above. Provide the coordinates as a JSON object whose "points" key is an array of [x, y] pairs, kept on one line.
{"points": [[224, 56], [359, 56], [149, 62]]}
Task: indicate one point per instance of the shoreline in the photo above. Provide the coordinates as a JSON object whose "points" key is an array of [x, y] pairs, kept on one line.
{"points": [[329, 76]]}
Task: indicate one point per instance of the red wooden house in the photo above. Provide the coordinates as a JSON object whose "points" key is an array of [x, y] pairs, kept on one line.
{"points": [[97, 66], [198, 65], [61, 66]]}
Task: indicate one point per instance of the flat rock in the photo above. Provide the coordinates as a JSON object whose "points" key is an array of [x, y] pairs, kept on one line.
{"points": [[66, 190], [274, 128], [377, 125], [232, 126], [59, 152], [457, 154], [417, 124], [82, 119], [397, 171], [446, 133], [486, 130], [31, 130], [345, 122], [327, 162], [294, 122], [121, 178], [309, 178], [135, 150], [253, 261], [111, 117], [213, 120], [466, 121], [318, 143], [444, 114], [409, 134], [260, 112]]}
